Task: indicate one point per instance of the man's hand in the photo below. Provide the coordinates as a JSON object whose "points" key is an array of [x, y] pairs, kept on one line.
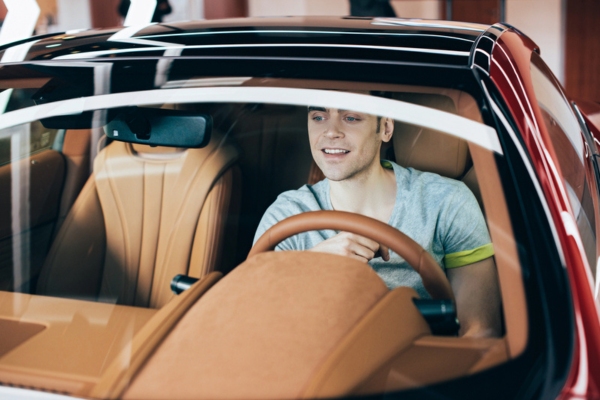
{"points": [[352, 245], [477, 295]]}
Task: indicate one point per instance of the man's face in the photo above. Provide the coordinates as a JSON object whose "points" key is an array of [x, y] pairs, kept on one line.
{"points": [[344, 143]]}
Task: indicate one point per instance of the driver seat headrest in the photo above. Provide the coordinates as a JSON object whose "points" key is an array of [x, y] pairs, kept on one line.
{"points": [[428, 150]]}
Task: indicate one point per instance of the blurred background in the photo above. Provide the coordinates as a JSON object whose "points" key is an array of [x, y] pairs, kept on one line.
{"points": [[564, 29]]}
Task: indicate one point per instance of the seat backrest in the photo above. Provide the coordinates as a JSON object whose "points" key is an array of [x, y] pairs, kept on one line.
{"points": [[431, 151], [275, 157], [145, 215]]}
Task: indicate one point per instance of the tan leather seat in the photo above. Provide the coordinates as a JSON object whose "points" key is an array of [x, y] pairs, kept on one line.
{"points": [[145, 215], [431, 151]]}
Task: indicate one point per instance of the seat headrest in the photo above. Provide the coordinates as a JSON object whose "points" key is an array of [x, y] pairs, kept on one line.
{"points": [[430, 151], [427, 150]]}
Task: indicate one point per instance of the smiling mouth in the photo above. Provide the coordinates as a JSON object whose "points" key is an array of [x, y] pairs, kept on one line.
{"points": [[335, 151]]}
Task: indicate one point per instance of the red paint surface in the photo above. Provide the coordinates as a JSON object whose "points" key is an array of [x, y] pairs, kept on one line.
{"points": [[510, 72]]}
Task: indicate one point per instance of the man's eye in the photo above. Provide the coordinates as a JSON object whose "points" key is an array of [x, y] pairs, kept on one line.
{"points": [[352, 119], [318, 118]]}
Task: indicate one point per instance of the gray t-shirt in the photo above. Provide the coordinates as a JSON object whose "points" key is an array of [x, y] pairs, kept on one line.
{"points": [[440, 214]]}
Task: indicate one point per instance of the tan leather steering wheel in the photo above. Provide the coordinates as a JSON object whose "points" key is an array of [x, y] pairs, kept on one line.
{"points": [[435, 281]]}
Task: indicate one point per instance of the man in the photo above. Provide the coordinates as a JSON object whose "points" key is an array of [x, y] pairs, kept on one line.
{"points": [[440, 214]]}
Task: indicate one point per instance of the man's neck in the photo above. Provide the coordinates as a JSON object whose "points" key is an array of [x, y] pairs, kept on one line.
{"points": [[371, 193]]}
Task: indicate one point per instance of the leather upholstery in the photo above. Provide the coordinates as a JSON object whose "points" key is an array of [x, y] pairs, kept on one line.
{"points": [[431, 151], [219, 348], [160, 208], [427, 150], [76, 151]]}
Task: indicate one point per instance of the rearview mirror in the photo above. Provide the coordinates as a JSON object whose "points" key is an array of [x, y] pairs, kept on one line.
{"points": [[160, 127]]}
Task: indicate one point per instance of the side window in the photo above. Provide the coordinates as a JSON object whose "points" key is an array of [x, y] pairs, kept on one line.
{"points": [[39, 138], [29, 139], [568, 142]]}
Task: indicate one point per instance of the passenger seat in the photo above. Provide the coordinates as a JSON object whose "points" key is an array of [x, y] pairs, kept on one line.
{"points": [[145, 215]]}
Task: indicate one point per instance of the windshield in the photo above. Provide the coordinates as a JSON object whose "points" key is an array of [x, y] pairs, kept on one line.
{"points": [[107, 196]]}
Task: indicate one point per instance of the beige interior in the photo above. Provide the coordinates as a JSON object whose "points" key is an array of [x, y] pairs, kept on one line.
{"points": [[142, 216], [62, 345], [420, 359], [427, 150], [220, 348], [260, 322]]}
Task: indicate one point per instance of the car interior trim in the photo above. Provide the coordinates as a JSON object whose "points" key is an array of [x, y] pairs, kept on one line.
{"points": [[118, 374], [279, 299], [510, 278], [372, 343], [32, 364]]}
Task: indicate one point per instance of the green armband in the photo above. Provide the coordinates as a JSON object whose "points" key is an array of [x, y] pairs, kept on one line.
{"points": [[462, 258]]}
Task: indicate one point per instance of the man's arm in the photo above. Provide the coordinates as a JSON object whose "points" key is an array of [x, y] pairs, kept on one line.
{"points": [[477, 298]]}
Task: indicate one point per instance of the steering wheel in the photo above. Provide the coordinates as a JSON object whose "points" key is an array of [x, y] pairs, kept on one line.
{"points": [[435, 281]]}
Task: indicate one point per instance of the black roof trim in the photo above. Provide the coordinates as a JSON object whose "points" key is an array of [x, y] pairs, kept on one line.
{"points": [[481, 55], [449, 39]]}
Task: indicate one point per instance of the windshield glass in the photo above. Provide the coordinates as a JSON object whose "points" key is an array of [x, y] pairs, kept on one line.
{"points": [[107, 195]]}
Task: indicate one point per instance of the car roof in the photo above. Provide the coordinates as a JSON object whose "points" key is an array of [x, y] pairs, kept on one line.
{"points": [[421, 41]]}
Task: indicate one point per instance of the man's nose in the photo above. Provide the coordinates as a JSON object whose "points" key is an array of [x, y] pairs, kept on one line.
{"points": [[333, 130]]}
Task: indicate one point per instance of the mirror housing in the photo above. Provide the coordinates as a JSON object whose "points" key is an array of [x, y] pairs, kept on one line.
{"points": [[160, 127]]}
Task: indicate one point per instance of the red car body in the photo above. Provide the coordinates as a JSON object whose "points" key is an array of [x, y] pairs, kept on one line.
{"points": [[509, 70]]}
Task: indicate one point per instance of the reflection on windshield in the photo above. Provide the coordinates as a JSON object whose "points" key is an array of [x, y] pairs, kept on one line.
{"points": [[99, 227]]}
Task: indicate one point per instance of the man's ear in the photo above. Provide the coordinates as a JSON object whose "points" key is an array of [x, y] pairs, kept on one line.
{"points": [[387, 129]]}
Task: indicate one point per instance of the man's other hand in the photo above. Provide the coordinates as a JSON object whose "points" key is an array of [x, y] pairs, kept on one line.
{"points": [[352, 245], [477, 298]]}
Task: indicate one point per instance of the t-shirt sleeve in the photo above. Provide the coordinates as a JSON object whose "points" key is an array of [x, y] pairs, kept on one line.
{"points": [[287, 204], [465, 236], [276, 212]]}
